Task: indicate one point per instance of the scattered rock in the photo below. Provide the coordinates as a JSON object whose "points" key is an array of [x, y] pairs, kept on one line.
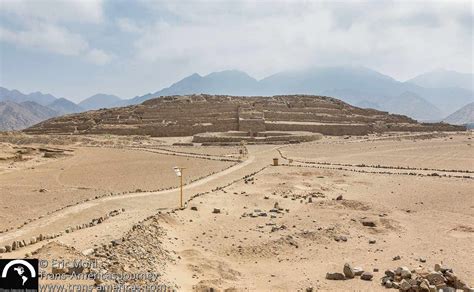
{"points": [[404, 272], [442, 269], [368, 223], [348, 271], [335, 276], [88, 251], [216, 211], [372, 241], [436, 278], [340, 238], [277, 228], [397, 258], [358, 271], [404, 285], [422, 280], [390, 274], [339, 198], [367, 276], [424, 286]]}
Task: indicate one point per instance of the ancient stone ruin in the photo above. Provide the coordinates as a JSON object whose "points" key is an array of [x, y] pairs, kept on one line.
{"points": [[251, 136], [195, 114]]}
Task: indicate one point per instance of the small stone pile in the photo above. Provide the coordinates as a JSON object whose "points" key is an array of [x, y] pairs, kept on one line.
{"points": [[277, 209], [140, 250], [249, 180], [256, 213], [350, 272], [303, 197], [272, 212], [424, 280]]}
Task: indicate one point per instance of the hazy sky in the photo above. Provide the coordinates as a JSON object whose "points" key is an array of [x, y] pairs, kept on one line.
{"points": [[76, 48]]}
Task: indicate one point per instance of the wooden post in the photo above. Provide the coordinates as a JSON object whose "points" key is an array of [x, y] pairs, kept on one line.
{"points": [[181, 179], [179, 172]]}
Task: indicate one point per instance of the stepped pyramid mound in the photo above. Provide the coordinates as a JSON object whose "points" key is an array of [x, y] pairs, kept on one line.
{"points": [[192, 114]]}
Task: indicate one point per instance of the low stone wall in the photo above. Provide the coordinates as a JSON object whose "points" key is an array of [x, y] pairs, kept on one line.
{"points": [[325, 129], [262, 137], [440, 127], [254, 125]]}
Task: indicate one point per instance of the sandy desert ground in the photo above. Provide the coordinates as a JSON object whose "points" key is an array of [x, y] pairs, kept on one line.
{"points": [[438, 152], [86, 172], [377, 202]]}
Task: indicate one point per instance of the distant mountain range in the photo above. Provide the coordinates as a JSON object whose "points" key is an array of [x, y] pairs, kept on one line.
{"points": [[355, 85], [428, 97], [64, 106], [412, 105], [444, 78], [101, 100], [17, 96], [463, 116], [19, 110]]}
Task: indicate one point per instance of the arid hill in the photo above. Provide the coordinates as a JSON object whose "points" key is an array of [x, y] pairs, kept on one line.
{"points": [[192, 114], [464, 115], [17, 116]]}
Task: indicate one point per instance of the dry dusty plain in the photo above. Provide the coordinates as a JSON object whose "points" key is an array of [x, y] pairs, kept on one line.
{"points": [[377, 202], [35, 185]]}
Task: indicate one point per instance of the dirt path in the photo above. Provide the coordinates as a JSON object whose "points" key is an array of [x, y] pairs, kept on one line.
{"points": [[138, 206]]}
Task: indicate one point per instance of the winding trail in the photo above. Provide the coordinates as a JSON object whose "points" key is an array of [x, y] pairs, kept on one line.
{"points": [[138, 206]]}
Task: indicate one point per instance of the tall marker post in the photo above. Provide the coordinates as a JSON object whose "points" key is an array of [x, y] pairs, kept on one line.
{"points": [[179, 173]]}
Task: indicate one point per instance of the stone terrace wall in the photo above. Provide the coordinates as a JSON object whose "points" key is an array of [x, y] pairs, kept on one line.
{"points": [[251, 120], [325, 129], [189, 115], [275, 137]]}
